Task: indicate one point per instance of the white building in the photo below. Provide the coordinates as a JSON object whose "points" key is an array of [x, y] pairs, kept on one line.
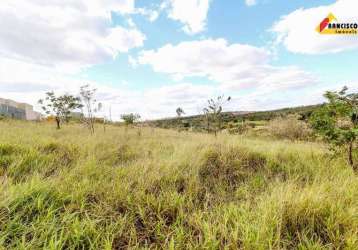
{"points": [[16, 110]]}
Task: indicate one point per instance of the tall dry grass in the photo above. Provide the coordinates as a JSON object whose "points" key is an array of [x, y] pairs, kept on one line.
{"points": [[167, 190], [290, 127]]}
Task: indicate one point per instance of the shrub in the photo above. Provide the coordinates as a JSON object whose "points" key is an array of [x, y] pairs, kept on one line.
{"points": [[314, 219], [8, 154], [22, 162], [337, 122], [240, 128], [229, 167], [63, 155], [173, 184], [114, 155], [26, 210], [289, 128], [8, 149]]}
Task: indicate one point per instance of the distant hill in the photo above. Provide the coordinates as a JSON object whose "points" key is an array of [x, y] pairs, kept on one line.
{"points": [[198, 121]]}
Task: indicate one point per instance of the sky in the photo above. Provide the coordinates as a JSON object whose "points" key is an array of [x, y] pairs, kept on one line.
{"points": [[153, 56]]}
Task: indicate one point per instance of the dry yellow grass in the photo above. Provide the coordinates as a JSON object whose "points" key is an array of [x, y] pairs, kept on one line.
{"points": [[163, 189]]}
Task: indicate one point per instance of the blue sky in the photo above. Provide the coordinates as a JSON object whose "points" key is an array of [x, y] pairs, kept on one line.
{"points": [[150, 57], [230, 19]]}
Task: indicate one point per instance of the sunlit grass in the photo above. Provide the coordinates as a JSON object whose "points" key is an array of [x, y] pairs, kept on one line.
{"points": [[164, 189]]}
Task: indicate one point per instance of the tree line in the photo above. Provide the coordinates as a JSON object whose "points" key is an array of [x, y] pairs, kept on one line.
{"points": [[336, 121]]}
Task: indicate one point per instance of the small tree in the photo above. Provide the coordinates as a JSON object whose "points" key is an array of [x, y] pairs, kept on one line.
{"points": [[130, 119], [60, 107], [91, 106], [207, 119], [213, 112], [179, 112], [337, 121]]}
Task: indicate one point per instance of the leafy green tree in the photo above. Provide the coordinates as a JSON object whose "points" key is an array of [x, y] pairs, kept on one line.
{"points": [[337, 121], [213, 112], [60, 107], [130, 119]]}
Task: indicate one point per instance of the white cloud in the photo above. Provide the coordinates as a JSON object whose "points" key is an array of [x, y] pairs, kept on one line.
{"points": [[199, 58], [132, 61], [28, 82], [250, 2], [234, 67], [192, 13], [44, 42], [68, 34], [297, 30], [155, 103], [163, 101], [151, 14], [32, 81]]}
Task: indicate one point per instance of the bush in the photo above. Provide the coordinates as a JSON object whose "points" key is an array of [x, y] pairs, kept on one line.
{"points": [[114, 155], [315, 219], [8, 154], [19, 163], [240, 128], [228, 168], [7, 149], [63, 155], [289, 128]]}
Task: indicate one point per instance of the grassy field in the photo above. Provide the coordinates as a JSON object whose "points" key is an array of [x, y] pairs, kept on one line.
{"points": [[162, 189]]}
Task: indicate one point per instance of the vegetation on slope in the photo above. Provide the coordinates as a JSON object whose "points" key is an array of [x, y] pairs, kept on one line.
{"points": [[198, 122], [162, 189]]}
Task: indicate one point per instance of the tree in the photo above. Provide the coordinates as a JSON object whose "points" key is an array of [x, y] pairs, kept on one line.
{"points": [[60, 107], [213, 112], [179, 112], [130, 119], [90, 104], [337, 121]]}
